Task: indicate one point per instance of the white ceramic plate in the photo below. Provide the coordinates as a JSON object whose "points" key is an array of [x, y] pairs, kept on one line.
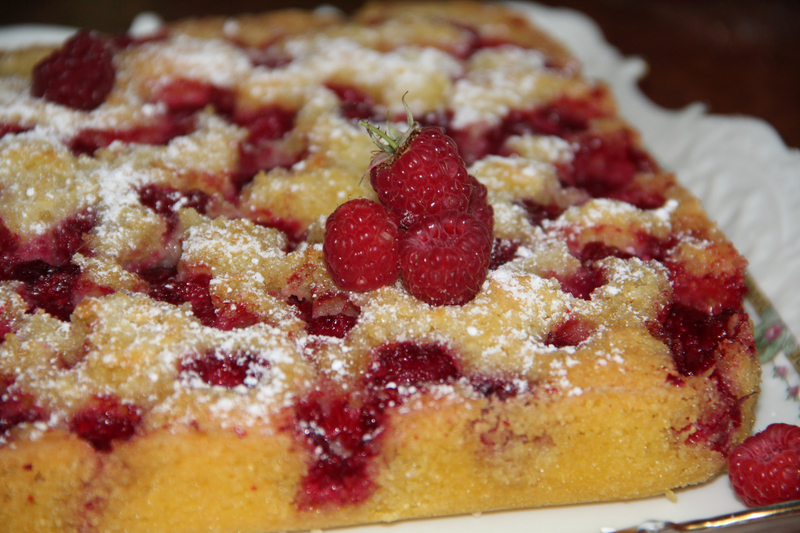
{"points": [[749, 182]]}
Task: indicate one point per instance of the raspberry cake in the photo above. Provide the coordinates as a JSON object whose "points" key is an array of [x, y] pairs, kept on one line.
{"points": [[182, 351]]}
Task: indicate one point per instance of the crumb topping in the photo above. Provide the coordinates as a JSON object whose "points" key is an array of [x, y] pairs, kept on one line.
{"points": [[190, 280]]}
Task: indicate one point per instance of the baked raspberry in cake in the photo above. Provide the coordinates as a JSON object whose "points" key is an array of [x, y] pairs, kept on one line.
{"points": [[191, 339]]}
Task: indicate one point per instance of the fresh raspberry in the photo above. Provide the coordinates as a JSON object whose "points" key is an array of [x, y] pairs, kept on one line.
{"points": [[479, 206], [418, 173], [444, 258], [78, 75], [360, 246], [765, 468]]}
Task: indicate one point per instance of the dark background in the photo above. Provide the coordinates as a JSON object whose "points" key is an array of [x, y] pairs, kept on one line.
{"points": [[736, 56]]}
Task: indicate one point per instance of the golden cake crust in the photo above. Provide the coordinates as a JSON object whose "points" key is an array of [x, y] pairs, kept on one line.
{"points": [[164, 277]]}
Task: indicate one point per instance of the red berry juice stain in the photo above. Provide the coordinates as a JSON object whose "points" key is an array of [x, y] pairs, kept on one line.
{"points": [[105, 420], [57, 246], [344, 436], [167, 201], [563, 117], [332, 325], [503, 251], [355, 103], [694, 332], [720, 421], [265, 55], [184, 96], [408, 363], [492, 387], [261, 150], [67, 236], [158, 133], [583, 281], [294, 231], [571, 332], [343, 430], [9, 244], [50, 281], [223, 368], [335, 325], [7, 128], [235, 316], [605, 163], [712, 292], [267, 123], [643, 246], [538, 212], [694, 336], [166, 285], [17, 407], [566, 117], [47, 287], [641, 195]]}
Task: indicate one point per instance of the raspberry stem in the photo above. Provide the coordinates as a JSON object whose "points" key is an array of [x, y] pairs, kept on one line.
{"points": [[376, 134], [390, 141]]}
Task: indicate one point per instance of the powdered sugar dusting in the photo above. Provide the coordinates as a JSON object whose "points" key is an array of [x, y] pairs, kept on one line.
{"points": [[211, 60], [497, 81], [229, 264]]}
